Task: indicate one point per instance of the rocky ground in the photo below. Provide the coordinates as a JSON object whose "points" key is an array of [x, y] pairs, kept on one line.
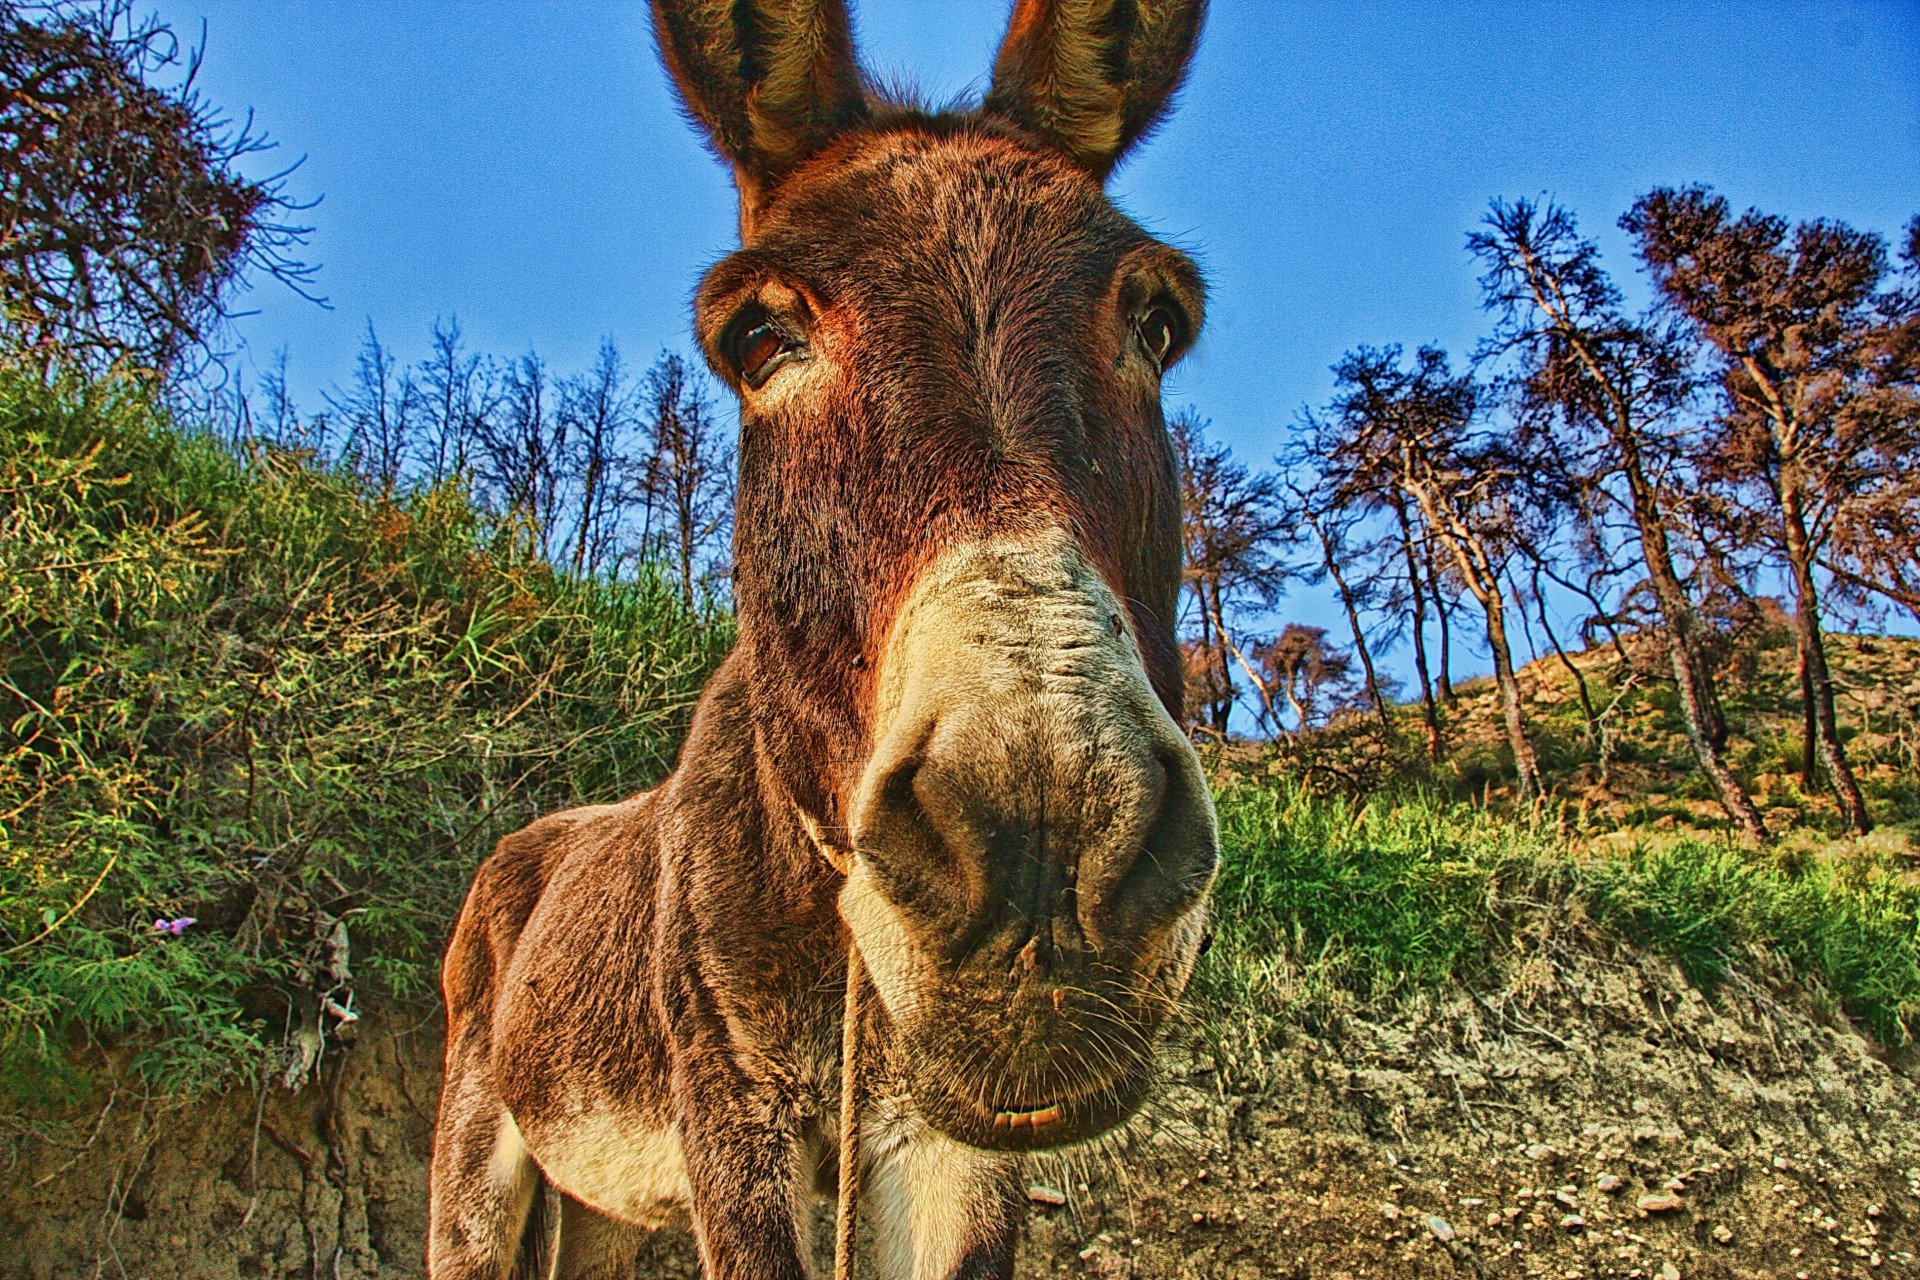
{"points": [[1595, 1116]]}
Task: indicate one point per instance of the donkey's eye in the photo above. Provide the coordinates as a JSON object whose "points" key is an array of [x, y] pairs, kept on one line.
{"points": [[1158, 332], [756, 350]]}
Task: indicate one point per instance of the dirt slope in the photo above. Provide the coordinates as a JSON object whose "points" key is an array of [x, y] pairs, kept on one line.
{"points": [[1382, 1146]]}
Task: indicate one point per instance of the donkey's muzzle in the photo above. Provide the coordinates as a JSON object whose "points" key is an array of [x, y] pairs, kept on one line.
{"points": [[1034, 842]]}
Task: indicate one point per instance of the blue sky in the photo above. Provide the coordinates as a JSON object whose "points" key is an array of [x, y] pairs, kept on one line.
{"points": [[522, 165]]}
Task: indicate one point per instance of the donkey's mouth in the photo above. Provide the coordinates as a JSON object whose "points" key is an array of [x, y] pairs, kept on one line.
{"points": [[1038, 1121]]}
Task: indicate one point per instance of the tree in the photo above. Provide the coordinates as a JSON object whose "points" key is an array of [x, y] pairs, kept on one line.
{"points": [[125, 222], [1232, 526], [1303, 667], [1604, 397], [1816, 365], [600, 413], [1412, 430], [378, 412], [686, 477], [1334, 524]]}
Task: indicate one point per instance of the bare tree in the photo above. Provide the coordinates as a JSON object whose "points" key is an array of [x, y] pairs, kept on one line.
{"points": [[1413, 430], [378, 411], [456, 394], [1817, 368], [125, 225], [1304, 668], [1233, 529], [1333, 525], [521, 453], [600, 411], [686, 476], [1604, 396]]}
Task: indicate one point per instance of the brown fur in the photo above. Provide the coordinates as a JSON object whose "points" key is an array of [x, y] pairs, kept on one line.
{"points": [[957, 562]]}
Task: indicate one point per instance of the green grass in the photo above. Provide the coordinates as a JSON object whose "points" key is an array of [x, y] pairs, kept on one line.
{"points": [[246, 688], [1322, 898]]}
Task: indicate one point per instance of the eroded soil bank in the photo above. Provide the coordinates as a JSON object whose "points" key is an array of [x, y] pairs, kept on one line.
{"points": [[1512, 1133]]}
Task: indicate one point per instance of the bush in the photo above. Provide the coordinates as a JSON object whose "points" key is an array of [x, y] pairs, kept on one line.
{"points": [[244, 688]]}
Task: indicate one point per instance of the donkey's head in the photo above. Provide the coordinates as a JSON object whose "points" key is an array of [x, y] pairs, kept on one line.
{"points": [[957, 538]]}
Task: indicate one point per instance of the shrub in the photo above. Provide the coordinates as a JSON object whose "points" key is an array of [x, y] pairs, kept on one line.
{"points": [[240, 687]]}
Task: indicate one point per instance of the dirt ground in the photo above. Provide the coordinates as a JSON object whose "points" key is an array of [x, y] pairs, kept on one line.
{"points": [[1595, 1117]]}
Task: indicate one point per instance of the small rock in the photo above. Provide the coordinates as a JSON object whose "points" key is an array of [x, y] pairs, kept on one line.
{"points": [[1669, 1272], [1723, 1234], [1493, 1219], [1779, 1162], [1874, 1211], [1676, 1186], [1199, 1218], [1610, 1183], [1572, 1222], [1391, 1212], [1570, 1201], [1049, 1196], [1089, 1253], [1442, 1230], [1541, 1151], [1660, 1204]]}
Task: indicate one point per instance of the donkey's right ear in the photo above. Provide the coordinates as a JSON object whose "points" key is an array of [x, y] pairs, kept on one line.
{"points": [[771, 81]]}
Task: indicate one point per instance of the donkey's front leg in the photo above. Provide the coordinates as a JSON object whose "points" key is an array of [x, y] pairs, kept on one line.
{"points": [[743, 1169], [939, 1210]]}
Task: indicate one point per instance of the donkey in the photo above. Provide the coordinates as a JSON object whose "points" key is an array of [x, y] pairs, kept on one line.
{"points": [[949, 735]]}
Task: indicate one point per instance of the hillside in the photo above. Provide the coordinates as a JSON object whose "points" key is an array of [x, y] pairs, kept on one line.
{"points": [[1634, 769]]}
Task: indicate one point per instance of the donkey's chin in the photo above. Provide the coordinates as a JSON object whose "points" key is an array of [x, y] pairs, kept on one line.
{"points": [[1020, 1080], [978, 1114]]}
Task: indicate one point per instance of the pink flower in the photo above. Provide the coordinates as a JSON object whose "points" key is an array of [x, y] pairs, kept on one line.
{"points": [[175, 927]]}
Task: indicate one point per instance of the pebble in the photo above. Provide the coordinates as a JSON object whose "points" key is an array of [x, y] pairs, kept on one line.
{"points": [[1493, 1219], [1660, 1204], [1390, 1212], [1669, 1272], [1874, 1211], [1610, 1183], [1572, 1222], [1723, 1234], [1442, 1230], [1570, 1201], [1049, 1196]]}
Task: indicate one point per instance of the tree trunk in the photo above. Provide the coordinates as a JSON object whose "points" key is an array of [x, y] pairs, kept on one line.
{"points": [[1809, 731], [1573, 668], [1806, 616], [1699, 698], [1417, 598], [1353, 621], [1444, 677], [1525, 762]]}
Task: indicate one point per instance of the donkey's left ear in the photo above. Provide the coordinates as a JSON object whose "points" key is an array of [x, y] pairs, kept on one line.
{"points": [[1092, 76], [771, 81]]}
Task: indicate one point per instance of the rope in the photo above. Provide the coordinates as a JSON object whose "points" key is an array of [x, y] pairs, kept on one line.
{"points": [[852, 1094], [853, 1066]]}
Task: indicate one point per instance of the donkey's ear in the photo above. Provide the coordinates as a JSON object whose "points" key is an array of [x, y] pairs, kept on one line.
{"points": [[1092, 76], [771, 81]]}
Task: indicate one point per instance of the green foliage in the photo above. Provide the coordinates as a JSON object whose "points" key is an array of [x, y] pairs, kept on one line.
{"points": [[246, 688], [1322, 897]]}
